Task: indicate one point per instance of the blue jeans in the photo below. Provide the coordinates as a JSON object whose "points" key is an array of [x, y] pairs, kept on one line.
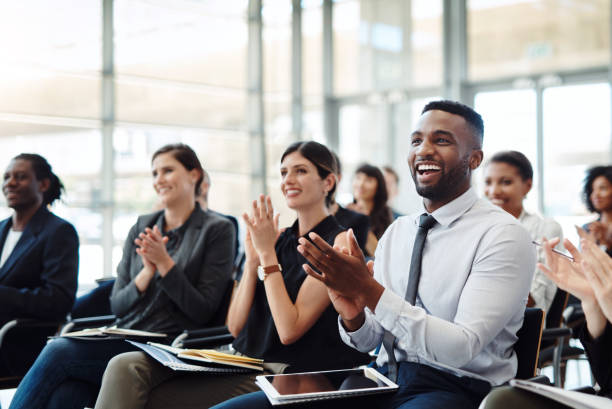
{"points": [[67, 374], [421, 387]]}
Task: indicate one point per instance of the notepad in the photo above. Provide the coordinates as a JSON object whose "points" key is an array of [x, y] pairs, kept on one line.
{"points": [[572, 399], [199, 360], [113, 330]]}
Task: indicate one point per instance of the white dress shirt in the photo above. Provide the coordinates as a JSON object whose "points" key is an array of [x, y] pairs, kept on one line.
{"points": [[9, 245], [477, 268], [542, 288]]}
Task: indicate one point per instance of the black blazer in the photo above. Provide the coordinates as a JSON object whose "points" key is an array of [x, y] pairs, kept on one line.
{"points": [[39, 279], [194, 287]]}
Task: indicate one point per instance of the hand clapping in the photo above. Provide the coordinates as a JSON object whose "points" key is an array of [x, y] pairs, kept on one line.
{"points": [[152, 248], [262, 226]]}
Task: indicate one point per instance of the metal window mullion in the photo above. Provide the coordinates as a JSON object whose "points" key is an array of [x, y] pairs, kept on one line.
{"points": [[297, 104], [108, 126], [255, 104], [455, 51], [540, 147], [330, 108]]}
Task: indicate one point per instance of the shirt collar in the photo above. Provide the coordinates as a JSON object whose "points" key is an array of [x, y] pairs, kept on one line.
{"points": [[453, 210], [324, 226], [182, 228]]}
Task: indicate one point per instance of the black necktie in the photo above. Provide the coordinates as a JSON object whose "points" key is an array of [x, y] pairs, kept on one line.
{"points": [[426, 222]]}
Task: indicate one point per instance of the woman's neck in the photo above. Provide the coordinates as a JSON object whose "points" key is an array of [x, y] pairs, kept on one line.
{"points": [[22, 217], [365, 205], [307, 219], [178, 214], [606, 216]]}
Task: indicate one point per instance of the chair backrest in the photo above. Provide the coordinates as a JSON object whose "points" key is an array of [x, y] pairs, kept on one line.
{"points": [[221, 314], [554, 316], [527, 347]]}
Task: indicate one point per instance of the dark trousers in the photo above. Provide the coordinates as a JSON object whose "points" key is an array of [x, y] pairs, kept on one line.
{"points": [[67, 374], [421, 386]]}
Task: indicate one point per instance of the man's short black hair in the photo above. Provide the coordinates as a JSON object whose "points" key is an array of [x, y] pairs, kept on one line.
{"points": [[472, 117]]}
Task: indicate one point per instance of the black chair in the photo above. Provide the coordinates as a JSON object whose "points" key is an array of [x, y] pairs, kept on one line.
{"points": [[555, 348], [527, 347], [215, 335], [21, 340]]}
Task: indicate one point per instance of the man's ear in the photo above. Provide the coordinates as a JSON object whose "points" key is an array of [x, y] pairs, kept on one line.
{"points": [[528, 186], [475, 159], [44, 184]]}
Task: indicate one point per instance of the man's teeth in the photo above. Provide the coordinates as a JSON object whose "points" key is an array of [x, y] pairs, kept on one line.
{"points": [[424, 168]]}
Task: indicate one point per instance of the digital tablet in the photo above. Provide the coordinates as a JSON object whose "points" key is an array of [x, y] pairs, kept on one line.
{"points": [[307, 386]]}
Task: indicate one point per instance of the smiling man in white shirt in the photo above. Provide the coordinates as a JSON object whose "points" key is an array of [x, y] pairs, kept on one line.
{"points": [[455, 341]]}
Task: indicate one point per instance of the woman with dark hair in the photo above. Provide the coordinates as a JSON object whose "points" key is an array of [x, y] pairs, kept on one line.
{"points": [[597, 195], [587, 277], [278, 313], [359, 222], [370, 198], [39, 256], [508, 180], [175, 266]]}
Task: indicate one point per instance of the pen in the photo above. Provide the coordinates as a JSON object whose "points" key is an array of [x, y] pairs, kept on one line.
{"points": [[537, 243]]}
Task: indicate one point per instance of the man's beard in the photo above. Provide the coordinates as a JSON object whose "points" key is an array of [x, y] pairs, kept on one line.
{"points": [[448, 183]]}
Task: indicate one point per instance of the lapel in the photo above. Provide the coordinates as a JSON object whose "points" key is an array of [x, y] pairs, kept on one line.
{"points": [[26, 241], [185, 253]]}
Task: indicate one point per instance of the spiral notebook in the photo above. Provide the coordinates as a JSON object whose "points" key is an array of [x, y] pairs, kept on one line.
{"points": [[167, 357]]}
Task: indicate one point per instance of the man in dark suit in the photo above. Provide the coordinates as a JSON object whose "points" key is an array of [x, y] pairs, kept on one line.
{"points": [[38, 258]]}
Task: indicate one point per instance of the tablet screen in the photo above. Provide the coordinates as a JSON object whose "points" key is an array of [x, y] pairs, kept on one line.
{"points": [[344, 381]]}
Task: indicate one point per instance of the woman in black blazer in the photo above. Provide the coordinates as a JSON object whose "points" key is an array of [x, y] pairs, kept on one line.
{"points": [[175, 266], [38, 257]]}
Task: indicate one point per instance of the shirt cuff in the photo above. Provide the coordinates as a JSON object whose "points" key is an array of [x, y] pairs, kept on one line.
{"points": [[390, 306], [360, 338]]}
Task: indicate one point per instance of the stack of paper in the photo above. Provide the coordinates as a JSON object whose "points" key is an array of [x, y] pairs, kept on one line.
{"points": [[206, 357], [106, 331]]}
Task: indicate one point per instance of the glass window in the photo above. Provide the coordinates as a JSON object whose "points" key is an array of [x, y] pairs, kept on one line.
{"points": [[312, 49], [180, 104], [576, 136], [51, 57], [520, 37], [181, 41], [363, 138], [382, 44], [510, 124]]}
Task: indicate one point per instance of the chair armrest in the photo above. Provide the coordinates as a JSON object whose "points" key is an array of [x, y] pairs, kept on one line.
{"points": [[27, 323], [553, 333], [208, 342], [586, 389], [87, 322], [199, 333], [206, 332], [541, 379]]}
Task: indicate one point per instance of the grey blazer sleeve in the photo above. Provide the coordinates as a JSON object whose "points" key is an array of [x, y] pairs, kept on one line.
{"points": [[198, 287], [125, 294]]}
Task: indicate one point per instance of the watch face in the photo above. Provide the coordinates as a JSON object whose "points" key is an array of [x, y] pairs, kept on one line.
{"points": [[260, 273]]}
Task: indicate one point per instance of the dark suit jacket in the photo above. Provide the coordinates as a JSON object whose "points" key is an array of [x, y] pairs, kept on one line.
{"points": [[39, 279], [195, 286]]}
